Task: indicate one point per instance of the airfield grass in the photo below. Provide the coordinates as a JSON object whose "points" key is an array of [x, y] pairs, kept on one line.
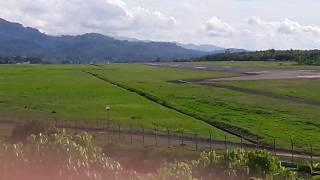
{"points": [[260, 117], [300, 88], [30, 92], [260, 64], [33, 92]]}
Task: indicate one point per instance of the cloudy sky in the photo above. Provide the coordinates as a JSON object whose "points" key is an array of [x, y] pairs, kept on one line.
{"points": [[251, 24]]}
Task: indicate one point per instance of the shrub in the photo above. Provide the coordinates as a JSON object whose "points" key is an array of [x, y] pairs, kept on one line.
{"points": [[20, 133], [174, 171], [240, 164], [58, 156]]}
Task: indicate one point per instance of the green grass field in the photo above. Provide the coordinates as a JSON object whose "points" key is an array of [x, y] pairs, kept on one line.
{"points": [[300, 88], [33, 92], [76, 95], [256, 116]]}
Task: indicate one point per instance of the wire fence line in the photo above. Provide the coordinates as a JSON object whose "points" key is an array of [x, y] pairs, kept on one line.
{"points": [[175, 138]]}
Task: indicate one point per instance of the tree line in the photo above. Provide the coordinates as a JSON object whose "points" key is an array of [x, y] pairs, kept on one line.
{"points": [[22, 60], [303, 57]]}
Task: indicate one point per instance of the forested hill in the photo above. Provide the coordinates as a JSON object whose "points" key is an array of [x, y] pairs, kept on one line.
{"points": [[17, 40], [308, 57]]}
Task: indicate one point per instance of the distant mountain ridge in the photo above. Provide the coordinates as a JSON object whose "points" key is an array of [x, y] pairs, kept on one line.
{"points": [[17, 40], [202, 47]]}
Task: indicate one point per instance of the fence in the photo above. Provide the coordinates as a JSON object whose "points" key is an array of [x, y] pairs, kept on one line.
{"points": [[161, 137]]}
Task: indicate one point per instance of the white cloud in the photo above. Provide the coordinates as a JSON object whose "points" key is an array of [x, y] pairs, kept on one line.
{"points": [[285, 26], [217, 27], [256, 33], [82, 16], [290, 27]]}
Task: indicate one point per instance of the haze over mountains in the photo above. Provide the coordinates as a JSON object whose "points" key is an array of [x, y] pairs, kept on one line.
{"points": [[17, 40]]}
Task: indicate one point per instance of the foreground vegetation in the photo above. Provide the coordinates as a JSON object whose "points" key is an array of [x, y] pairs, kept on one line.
{"points": [[308, 57], [55, 154]]}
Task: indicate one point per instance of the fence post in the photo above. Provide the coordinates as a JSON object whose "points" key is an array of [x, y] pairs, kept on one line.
{"points": [[291, 150], [210, 138], [88, 125], [196, 140], [182, 136], [241, 141], [156, 136], [142, 135], [168, 136], [74, 124], [225, 142], [119, 131], [311, 155], [274, 146], [56, 122], [131, 131]]}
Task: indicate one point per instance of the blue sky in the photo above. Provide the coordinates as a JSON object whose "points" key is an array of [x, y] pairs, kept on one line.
{"points": [[251, 24]]}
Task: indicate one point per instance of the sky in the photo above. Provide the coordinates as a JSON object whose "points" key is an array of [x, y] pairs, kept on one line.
{"points": [[249, 24]]}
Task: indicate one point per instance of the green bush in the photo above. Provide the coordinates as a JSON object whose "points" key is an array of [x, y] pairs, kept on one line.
{"points": [[174, 171], [240, 164]]}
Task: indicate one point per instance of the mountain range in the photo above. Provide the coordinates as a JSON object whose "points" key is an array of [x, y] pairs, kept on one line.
{"points": [[18, 40]]}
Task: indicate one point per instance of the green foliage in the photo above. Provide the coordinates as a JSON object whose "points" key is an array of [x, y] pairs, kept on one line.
{"points": [[262, 162], [63, 156], [20, 59], [174, 171], [241, 164], [314, 168], [309, 57], [316, 178], [58, 156]]}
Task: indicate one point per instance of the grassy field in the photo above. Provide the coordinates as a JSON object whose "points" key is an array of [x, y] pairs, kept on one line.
{"points": [[305, 89], [34, 92], [255, 116]]}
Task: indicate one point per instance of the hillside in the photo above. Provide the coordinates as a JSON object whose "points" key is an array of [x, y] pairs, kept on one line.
{"points": [[17, 40]]}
